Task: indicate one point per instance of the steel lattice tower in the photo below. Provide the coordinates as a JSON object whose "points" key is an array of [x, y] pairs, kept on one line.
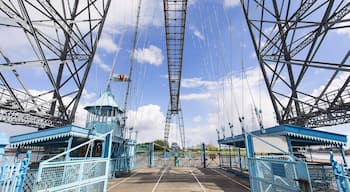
{"points": [[175, 22], [291, 40], [62, 38]]}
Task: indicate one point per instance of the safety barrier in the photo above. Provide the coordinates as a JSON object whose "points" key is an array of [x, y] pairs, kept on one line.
{"points": [[75, 174], [341, 173], [175, 159], [236, 161], [322, 177], [273, 173], [278, 175], [12, 176]]}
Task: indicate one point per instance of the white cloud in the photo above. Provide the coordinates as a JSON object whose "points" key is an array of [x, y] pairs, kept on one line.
{"points": [[80, 116], [336, 84], [346, 30], [105, 67], [197, 33], [122, 14], [152, 55], [227, 96], [195, 96], [148, 120], [197, 119], [196, 82], [270, 30], [231, 3], [121, 18], [253, 55], [106, 43], [101, 64], [203, 133], [165, 76], [221, 97], [191, 2], [88, 96], [12, 130]]}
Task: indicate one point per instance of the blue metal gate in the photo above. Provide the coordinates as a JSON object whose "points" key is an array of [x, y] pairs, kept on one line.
{"points": [[75, 174], [276, 173], [341, 173], [12, 176]]}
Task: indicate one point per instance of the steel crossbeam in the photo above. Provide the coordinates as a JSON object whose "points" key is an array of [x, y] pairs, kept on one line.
{"points": [[290, 39], [175, 23], [63, 37]]}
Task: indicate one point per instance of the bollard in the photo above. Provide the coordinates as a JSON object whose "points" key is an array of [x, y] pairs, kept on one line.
{"points": [[204, 157]]}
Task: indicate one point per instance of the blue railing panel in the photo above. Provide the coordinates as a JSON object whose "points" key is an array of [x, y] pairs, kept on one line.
{"points": [[12, 176]]}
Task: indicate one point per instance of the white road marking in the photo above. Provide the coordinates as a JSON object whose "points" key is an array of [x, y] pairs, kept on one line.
{"points": [[244, 186], [127, 178], [156, 185], [200, 184]]}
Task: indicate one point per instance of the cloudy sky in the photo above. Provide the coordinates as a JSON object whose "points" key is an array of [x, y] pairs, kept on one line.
{"points": [[213, 92]]}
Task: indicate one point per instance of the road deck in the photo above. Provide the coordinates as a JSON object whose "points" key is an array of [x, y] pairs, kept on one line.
{"points": [[179, 179]]}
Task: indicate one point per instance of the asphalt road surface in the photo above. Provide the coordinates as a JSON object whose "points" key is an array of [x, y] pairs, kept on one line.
{"points": [[170, 179]]}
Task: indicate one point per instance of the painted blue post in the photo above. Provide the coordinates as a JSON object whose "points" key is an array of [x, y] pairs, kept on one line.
{"points": [[3, 142], [249, 146], [240, 160], [340, 175], [150, 154], [229, 148], [290, 147], [22, 173], [341, 150], [106, 147], [204, 157], [220, 156], [69, 146]]}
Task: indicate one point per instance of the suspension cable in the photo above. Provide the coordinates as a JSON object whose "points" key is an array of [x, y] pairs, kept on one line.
{"points": [[132, 54]]}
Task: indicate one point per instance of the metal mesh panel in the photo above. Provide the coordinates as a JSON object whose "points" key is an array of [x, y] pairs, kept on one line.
{"points": [[96, 187], [235, 161], [322, 177], [66, 175], [58, 175], [160, 161], [12, 175], [274, 175], [141, 160], [30, 180], [190, 162]]}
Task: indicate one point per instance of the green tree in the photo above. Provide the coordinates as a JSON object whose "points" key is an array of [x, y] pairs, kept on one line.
{"points": [[159, 145], [211, 147]]}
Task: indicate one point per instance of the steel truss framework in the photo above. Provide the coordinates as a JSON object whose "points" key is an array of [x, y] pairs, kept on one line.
{"points": [[175, 22], [180, 126], [61, 39], [292, 40]]}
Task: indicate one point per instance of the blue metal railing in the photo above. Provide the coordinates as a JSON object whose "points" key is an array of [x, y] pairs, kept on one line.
{"points": [[341, 174], [279, 172], [76, 174], [12, 176]]}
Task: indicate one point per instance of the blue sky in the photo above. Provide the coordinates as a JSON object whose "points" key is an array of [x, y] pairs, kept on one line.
{"points": [[216, 40]]}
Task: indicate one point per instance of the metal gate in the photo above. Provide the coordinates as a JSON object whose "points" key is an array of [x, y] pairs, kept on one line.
{"points": [[75, 174], [276, 173], [341, 174], [12, 176], [147, 157]]}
